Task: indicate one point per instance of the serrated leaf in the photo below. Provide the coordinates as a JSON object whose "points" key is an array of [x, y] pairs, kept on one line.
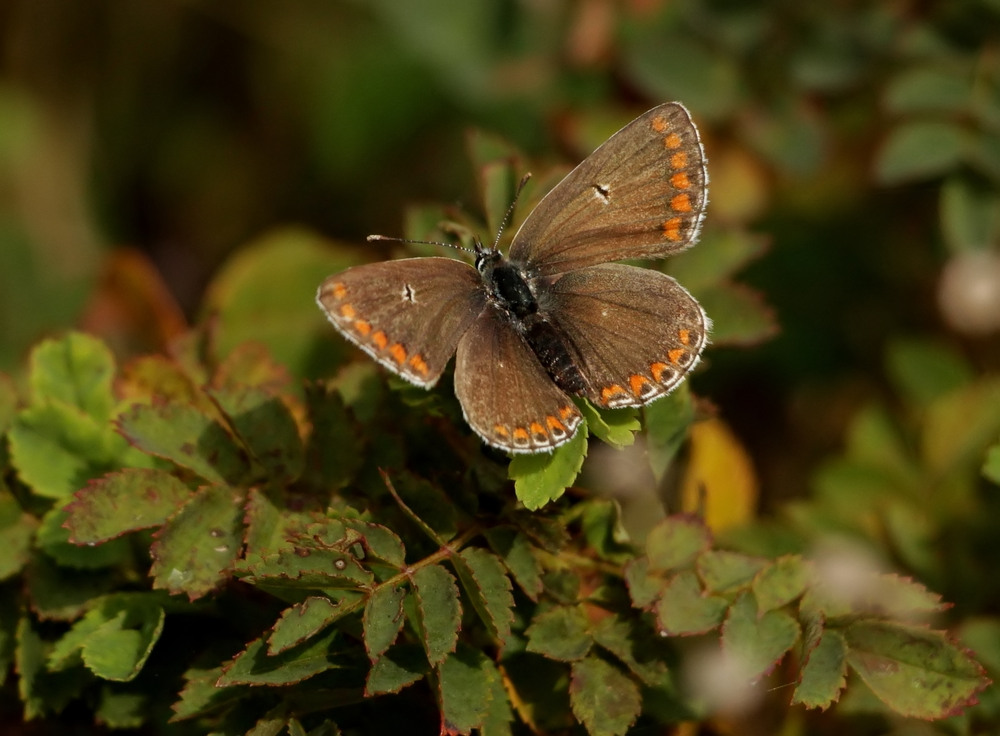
{"points": [[383, 619], [53, 539], [75, 370], [200, 694], [873, 594], [158, 376], [781, 582], [916, 672], [334, 448], [17, 530], [543, 477], [636, 646], [724, 571], [401, 666], [253, 666], [188, 437], [757, 642], [43, 692], [379, 541], [604, 699], [560, 633], [440, 611], [302, 621], [616, 427], [499, 713], [305, 567], [122, 502], [824, 672], [115, 638], [195, 550], [517, 553], [56, 448], [464, 690], [489, 589], [684, 610], [920, 149], [675, 542], [643, 588], [265, 427], [60, 593]]}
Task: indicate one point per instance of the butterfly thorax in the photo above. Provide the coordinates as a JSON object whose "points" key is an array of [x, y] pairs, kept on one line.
{"points": [[511, 292]]}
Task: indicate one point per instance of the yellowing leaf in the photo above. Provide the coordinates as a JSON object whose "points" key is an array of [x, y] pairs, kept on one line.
{"points": [[720, 483]]}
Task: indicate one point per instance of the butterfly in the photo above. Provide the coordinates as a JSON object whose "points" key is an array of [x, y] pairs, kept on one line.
{"points": [[558, 316]]}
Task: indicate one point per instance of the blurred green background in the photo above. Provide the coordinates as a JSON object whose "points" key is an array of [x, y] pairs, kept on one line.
{"points": [[854, 149]]}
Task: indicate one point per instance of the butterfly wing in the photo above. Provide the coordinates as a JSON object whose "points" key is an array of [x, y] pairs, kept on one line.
{"points": [[633, 332], [409, 314], [506, 395], [642, 194]]}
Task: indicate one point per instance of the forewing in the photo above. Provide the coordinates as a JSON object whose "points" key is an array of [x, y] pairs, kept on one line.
{"points": [[507, 397], [408, 314], [641, 195], [634, 332]]}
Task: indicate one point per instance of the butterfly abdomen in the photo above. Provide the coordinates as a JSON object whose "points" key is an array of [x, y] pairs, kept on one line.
{"points": [[550, 346]]}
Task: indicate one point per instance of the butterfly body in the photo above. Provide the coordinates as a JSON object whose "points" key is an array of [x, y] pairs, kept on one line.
{"points": [[558, 316]]}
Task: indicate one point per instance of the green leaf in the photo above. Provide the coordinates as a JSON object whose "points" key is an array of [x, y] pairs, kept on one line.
{"points": [[379, 542], [488, 587], [305, 568], [17, 530], [644, 589], [604, 530], [265, 426], [616, 427], [924, 371], [61, 593], [636, 646], [333, 453], [499, 713], [53, 539], [401, 666], [195, 550], [675, 542], [269, 285], [56, 448], [726, 572], [739, 315], [123, 502], [543, 477], [303, 621], [684, 610], [970, 214], [119, 709], [960, 426], [383, 619], [781, 582], [518, 555], [604, 699], [717, 257], [42, 691], [188, 437], [936, 88], [560, 633], [757, 642], [253, 666], [75, 370], [824, 672], [440, 611], [8, 402], [667, 421], [917, 150], [115, 638], [464, 690], [991, 468], [915, 671]]}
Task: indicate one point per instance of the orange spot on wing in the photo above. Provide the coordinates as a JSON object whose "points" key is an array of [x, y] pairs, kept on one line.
{"points": [[380, 339], [347, 311], [363, 327], [680, 180], [537, 429], [672, 141], [520, 434], [672, 229], [685, 336], [675, 355], [609, 392], [398, 353], [635, 382], [339, 291], [658, 369], [659, 124], [681, 203], [566, 412], [500, 430], [679, 160], [555, 424], [419, 364]]}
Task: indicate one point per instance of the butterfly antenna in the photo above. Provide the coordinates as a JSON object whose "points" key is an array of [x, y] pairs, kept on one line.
{"points": [[390, 239], [510, 210]]}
